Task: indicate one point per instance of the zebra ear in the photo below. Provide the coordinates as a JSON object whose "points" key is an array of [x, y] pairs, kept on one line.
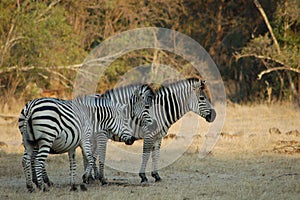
{"points": [[122, 109], [203, 83], [200, 84], [123, 106], [137, 94], [136, 99]]}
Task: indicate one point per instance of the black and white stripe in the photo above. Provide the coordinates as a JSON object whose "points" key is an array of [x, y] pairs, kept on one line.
{"points": [[170, 103], [139, 98], [51, 125]]}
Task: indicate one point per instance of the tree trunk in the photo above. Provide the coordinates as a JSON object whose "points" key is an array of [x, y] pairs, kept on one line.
{"points": [[216, 45], [293, 88], [299, 84]]}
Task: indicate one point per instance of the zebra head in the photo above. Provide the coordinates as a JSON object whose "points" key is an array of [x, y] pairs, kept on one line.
{"points": [[141, 102], [118, 117], [200, 103]]}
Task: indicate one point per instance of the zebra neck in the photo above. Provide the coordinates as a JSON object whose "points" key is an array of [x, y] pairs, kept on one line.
{"points": [[171, 105]]}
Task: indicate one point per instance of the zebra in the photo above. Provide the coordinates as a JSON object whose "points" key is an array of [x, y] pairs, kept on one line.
{"points": [[139, 98], [50, 125], [170, 103]]}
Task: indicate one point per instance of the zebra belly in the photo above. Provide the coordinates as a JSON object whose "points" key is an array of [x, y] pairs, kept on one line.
{"points": [[64, 142]]}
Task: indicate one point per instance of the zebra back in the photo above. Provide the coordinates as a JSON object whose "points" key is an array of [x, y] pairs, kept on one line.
{"points": [[103, 113], [139, 98]]}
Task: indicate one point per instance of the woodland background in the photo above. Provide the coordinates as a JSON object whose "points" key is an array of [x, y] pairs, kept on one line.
{"points": [[255, 44]]}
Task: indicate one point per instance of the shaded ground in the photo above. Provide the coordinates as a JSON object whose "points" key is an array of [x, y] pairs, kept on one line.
{"points": [[257, 157]]}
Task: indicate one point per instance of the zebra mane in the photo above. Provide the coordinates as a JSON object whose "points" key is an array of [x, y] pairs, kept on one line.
{"points": [[92, 100], [127, 87], [128, 91], [189, 81]]}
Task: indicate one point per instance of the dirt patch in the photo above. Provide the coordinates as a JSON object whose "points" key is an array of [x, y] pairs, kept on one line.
{"points": [[256, 157], [287, 147]]}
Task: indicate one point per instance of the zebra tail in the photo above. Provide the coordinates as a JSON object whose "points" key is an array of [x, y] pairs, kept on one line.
{"points": [[24, 126]]}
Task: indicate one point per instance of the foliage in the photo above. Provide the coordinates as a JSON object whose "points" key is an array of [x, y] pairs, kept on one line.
{"points": [[33, 36], [281, 51], [42, 42]]}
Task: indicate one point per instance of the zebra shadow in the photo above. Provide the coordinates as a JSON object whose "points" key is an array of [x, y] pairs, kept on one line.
{"points": [[123, 182]]}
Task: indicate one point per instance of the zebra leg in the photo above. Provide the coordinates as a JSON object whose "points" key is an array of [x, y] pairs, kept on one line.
{"points": [[85, 164], [27, 163], [148, 143], [45, 175], [101, 143], [95, 168], [95, 151], [72, 169], [39, 165], [33, 156], [155, 159], [87, 153]]}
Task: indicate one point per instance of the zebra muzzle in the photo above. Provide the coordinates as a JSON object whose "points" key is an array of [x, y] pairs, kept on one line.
{"points": [[212, 116]]}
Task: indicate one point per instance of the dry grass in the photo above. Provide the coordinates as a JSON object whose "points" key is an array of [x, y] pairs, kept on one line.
{"points": [[257, 157]]}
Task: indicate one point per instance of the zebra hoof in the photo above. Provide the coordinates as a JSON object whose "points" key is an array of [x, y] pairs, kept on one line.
{"points": [[103, 182], [143, 177], [156, 176], [83, 187], [91, 179], [30, 189], [49, 183], [43, 188], [85, 179], [73, 188], [46, 189]]}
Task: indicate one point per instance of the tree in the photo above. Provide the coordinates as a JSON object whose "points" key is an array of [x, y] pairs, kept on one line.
{"points": [[35, 38], [43, 43], [279, 48]]}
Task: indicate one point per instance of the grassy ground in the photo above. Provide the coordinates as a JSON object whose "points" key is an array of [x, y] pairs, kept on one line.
{"points": [[257, 157]]}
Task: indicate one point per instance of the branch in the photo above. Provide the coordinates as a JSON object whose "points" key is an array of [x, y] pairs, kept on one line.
{"points": [[284, 66], [99, 58], [6, 46], [8, 116], [27, 68], [238, 56], [52, 4], [263, 14], [276, 69], [62, 78]]}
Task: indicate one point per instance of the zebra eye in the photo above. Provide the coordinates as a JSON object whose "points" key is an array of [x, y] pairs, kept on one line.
{"points": [[202, 98]]}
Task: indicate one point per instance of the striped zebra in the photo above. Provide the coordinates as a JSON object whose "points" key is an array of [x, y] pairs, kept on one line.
{"points": [[139, 98], [50, 125], [170, 103]]}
